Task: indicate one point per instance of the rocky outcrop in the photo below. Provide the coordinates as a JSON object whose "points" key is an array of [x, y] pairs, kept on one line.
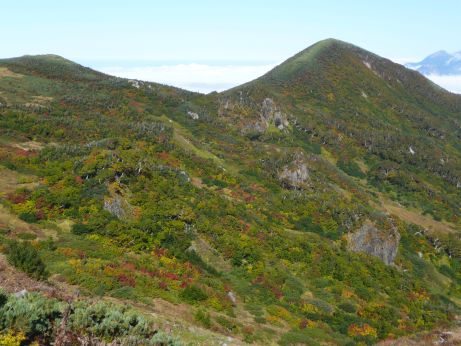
{"points": [[295, 175], [270, 114], [193, 115], [117, 206], [255, 117], [383, 244]]}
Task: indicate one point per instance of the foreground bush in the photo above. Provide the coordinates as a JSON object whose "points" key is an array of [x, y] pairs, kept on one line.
{"points": [[35, 318], [26, 258]]}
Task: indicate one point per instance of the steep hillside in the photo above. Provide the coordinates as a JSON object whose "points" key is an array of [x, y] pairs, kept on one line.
{"points": [[318, 204], [364, 109]]}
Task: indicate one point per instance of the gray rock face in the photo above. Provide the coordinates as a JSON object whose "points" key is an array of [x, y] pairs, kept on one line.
{"points": [[383, 244], [270, 114], [295, 175], [116, 206], [193, 115]]}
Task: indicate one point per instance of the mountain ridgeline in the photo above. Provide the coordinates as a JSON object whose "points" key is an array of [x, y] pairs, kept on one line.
{"points": [[317, 204]]}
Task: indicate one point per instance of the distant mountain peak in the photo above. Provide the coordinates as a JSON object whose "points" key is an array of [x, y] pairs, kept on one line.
{"points": [[51, 66], [439, 63]]}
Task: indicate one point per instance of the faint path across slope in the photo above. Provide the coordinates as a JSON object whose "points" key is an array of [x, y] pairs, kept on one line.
{"points": [[415, 217], [450, 337]]}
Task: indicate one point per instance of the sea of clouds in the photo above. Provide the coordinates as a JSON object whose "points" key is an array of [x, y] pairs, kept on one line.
{"points": [[205, 78], [450, 83], [199, 77]]}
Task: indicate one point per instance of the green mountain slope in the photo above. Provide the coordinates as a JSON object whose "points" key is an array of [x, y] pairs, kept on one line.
{"points": [[316, 204]]}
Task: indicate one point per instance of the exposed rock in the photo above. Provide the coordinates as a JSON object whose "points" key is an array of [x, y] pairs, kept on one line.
{"points": [[410, 149], [232, 298], [383, 244], [295, 175], [245, 110], [270, 114], [21, 293], [135, 83], [117, 206], [193, 115]]}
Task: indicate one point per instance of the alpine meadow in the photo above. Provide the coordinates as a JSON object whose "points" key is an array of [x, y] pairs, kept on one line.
{"points": [[316, 205]]}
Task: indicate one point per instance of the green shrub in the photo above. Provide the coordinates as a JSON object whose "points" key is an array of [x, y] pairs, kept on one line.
{"points": [[27, 236], [80, 228], [229, 325], [28, 217], [32, 314], [348, 307], [106, 320], [161, 338], [26, 258], [3, 299], [203, 318], [351, 168], [195, 259], [193, 294]]}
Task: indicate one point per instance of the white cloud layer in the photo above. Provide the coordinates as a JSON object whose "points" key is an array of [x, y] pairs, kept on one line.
{"points": [[195, 77], [207, 78], [451, 83]]}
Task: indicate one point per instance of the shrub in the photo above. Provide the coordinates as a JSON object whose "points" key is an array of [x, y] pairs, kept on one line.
{"points": [[193, 294], [351, 168], [108, 321], [203, 318], [11, 339], [80, 228], [28, 217], [27, 236], [3, 299], [196, 260], [162, 338], [229, 325], [32, 314], [27, 259], [348, 307]]}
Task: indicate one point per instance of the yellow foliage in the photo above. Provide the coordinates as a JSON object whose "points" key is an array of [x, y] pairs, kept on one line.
{"points": [[66, 251], [215, 303], [94, 236], [26, 207], [364, 330], [309, 308], [280, 312], [273, 320], [12, 339], [166, 261], [347, 293]]}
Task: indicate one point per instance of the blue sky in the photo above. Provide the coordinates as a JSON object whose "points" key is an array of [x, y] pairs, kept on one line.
{"points": [[126, 35]]}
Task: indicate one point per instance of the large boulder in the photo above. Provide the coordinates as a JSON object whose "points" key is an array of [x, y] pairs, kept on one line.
{"points": [[383, 244]]}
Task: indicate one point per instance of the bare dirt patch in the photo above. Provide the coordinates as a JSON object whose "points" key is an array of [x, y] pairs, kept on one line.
{"points": [[4, 72], [12, 280], [42, 100], [10, 181], [14, 226], [29, 146]]}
